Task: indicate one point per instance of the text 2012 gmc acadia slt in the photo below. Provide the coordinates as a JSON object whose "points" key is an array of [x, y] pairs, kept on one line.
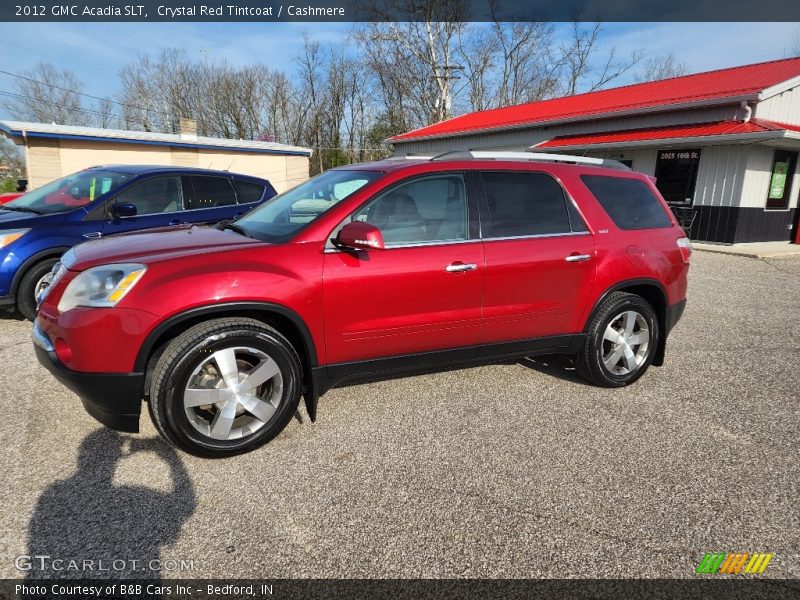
{"points": [[390, 266]]}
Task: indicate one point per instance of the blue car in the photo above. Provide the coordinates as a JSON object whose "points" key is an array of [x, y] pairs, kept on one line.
{"points": [[37, 228]]}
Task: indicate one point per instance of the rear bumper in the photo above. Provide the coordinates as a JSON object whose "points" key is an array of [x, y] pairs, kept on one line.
{"points": [[114, 399], [674, 314]]}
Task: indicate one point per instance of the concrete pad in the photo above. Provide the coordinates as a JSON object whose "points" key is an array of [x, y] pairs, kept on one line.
{"points": [[754, 250]]}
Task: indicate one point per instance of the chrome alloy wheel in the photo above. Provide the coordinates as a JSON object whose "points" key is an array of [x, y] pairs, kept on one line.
{"points": [[41, 285], [626, 342], [233, 393]]}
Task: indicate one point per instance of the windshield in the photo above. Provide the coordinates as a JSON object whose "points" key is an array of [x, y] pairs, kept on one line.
{"points": [[283, 216], [69, 192]]}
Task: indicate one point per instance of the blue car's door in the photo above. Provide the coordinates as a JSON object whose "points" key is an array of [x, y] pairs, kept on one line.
{"points": [[160, 201], [212, 199]]}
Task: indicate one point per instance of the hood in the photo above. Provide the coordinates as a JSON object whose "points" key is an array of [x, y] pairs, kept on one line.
{"points": [[151, 247], [12, 218]]}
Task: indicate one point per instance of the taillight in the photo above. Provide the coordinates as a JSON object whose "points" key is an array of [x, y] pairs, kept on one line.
{"points": [[685, 246]]}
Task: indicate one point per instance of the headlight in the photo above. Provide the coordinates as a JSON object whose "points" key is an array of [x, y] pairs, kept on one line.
{"points": [[101, 286], [11, 235]]}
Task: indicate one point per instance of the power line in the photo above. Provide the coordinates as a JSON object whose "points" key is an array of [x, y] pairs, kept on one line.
{"points": [[71, 108], [63, 89]]}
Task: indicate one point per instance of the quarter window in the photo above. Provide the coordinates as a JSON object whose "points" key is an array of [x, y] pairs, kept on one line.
{"points": [[210, 192], [154, 196], [249, 192], [522, 204], [427, 209], [630, 203]]}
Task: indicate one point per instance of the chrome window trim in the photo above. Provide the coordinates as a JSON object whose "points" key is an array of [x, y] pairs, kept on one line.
{"points": [[454, 242], [414, 245], [536, 236]]}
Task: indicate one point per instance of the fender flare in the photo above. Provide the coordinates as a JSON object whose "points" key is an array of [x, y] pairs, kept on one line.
{"points": [[29, 262], [658, 359], [311, 393]]}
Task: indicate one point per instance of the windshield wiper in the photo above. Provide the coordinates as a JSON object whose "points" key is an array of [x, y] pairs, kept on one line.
{"points": [[21, 209], [233, 227]]}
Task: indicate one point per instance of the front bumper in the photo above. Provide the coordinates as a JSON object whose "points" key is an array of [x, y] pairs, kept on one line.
{"points": [[114, 399]]}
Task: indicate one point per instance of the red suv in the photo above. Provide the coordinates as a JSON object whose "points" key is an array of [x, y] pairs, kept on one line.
{"points": [[398, 265]]}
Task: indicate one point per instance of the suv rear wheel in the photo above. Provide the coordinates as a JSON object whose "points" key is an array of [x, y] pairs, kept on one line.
{"points": [[225, 386], [621, 341]]}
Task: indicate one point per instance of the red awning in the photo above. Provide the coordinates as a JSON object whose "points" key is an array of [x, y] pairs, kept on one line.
{"points": [[754, 128]]}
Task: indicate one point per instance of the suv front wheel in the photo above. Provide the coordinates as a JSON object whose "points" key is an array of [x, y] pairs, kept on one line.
{"points": [[621, 341], [225, 386]]}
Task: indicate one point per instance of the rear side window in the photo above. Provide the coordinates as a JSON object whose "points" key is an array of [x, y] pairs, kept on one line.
{"points": [[630, 203], [249, 192], [522, 204], [210, 192]]}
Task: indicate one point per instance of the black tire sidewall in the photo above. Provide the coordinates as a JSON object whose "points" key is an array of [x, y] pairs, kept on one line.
{"points": [[172, 387], [26, 303], [609, 312]]}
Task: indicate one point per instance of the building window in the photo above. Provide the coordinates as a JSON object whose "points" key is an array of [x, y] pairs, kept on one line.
{"points": [[780, 181], [676, 175]]}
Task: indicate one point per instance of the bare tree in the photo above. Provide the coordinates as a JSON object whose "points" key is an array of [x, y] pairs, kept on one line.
{"points": [[46, 94], [661, 67], [415, 60], [581, 72], [11, 156]]}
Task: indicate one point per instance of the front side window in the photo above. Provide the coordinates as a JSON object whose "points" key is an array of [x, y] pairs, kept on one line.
{"points": [[630, 203], [424, 210], [211, 192], [154, 196], [524, 204], [70, 192], [280, 218]]}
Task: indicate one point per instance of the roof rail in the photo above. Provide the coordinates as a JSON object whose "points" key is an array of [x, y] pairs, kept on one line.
{"points": [[532, 156]]}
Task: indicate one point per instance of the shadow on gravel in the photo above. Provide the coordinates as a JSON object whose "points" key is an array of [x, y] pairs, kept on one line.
{"points": [[120, 528], [556, 365], [9, 315]]}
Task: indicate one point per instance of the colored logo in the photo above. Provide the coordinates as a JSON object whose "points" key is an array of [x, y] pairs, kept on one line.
{"points": [[741, 562]]}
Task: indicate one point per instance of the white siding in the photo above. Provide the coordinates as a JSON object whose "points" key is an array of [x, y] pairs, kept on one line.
{"points": [[720, 175], [784, 108], [756, 180]]}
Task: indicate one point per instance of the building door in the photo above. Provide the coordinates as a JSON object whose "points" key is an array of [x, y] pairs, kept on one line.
{"points": [[676, 175]]}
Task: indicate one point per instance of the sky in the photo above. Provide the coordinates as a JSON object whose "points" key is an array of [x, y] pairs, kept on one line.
{"points": [[97, 51]]}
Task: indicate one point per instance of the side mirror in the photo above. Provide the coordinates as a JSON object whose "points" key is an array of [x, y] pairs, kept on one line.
{"points": [[358, 235], [123, 209]]}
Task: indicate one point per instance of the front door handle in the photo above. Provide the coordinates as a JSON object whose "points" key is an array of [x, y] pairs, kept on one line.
{"points": [[578, 257], [177, 222], [93, 235], [459, 267]]}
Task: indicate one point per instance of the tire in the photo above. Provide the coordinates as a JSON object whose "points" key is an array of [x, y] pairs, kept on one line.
{"points": [[26, 293], [192, 370], [615, 353]]}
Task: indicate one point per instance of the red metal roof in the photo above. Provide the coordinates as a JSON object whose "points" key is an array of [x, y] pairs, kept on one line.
{"points": [[735, 82], [717, 128]]}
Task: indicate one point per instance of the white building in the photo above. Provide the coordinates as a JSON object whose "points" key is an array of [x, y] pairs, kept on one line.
{"points": [[52, 151], [723, 145]]}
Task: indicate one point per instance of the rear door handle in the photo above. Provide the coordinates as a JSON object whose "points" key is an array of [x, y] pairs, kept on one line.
{"points": [[93, 234], [459, 267], [177, 222], [578, 257]]}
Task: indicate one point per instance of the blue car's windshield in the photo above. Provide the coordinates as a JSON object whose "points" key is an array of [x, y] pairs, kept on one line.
{"points": [[283, 216], [69, 192]]}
